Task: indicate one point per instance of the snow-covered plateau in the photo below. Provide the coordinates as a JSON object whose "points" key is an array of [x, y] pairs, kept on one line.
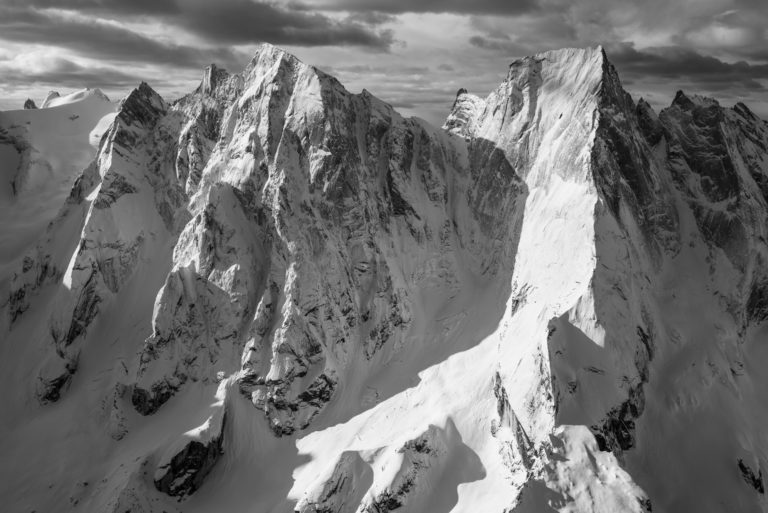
{"points": [[274, 295]]}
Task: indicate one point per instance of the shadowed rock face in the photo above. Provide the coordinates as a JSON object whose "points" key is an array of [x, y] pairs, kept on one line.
{"points": [[487, 311], [752, 479], [187, 470]]}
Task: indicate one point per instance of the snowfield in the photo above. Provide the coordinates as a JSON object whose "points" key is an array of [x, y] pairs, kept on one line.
{"points": [[274, 295], [42, 151]]}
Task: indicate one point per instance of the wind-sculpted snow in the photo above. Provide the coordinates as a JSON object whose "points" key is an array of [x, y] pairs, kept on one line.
{"points": [[276, 295]]}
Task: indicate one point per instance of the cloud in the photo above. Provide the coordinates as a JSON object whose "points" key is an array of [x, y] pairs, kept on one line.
{"points": [[685, 65], [496, 44], [244, 21], [383, 71], [739, 33], [497, 7], [63, 73], [99, 39], [523, 35], [122, 7], [233, 21], [372, 18]]}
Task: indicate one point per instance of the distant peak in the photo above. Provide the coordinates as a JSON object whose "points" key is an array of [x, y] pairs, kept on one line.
{"points": [[745, 111], [52, 95], [143, 105], [645, 108], [689, 102], [464, 113], [212, 77], [29, 104], [682, 100], [648, 121], [98, 93], [462, 96], [143, 92]]}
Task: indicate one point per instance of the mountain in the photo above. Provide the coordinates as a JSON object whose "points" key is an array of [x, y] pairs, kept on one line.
{"points": [[42, 151], [275, 295]]}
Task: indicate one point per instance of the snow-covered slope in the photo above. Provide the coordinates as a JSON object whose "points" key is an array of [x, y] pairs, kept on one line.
{"points": [[41, 153], [275, 295]]}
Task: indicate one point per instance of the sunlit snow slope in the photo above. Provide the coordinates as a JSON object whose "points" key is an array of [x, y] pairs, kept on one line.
{"points": [[274, 295], [41, 153]]}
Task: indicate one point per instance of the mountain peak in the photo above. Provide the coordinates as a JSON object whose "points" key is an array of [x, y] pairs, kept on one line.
{"points": [[52, 95], [546, 84], [591, 56], [465, 110], [745, 111], [98, 93], [212, 77], [143, 105], [267, 55], [690, 102]]}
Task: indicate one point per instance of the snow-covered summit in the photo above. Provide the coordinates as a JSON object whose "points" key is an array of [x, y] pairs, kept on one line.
{"points": [[55, 99], [276, 295]]}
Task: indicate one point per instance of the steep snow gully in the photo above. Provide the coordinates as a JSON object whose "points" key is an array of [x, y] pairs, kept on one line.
{"points": [[273, 295]]}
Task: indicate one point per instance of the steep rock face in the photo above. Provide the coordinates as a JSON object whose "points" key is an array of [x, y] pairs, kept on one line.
{"points": [[181, 470], [304, 272], [18, 154], [202, 308], [111, 240], [715, 158], [278, 295], [718, 157]]}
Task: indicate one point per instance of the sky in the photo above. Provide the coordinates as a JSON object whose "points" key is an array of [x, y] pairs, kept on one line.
{"points": [[413, 54]]}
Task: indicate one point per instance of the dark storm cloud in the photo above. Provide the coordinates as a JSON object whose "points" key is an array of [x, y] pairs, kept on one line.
{"points": [[523, 35], [236, 21], [372, 18], [685, 64], [504, 45], [101, 40], [243, 21], [499, 7], [121, 7], [67, 74], [739, 33]]}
